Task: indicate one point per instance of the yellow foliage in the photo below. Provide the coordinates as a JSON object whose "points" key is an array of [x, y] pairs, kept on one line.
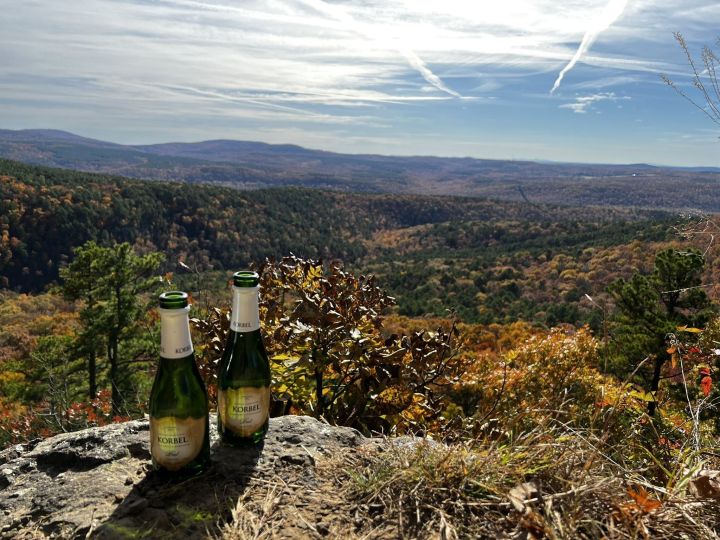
{"points": [[547, 374], [8, 377]]}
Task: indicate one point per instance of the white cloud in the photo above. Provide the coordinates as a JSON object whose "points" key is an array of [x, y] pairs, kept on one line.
{"points": [[606, 82], [583, 104]]}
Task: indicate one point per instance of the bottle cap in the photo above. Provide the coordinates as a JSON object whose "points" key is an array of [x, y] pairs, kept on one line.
{"points": [[246, 278], [174, 300]]}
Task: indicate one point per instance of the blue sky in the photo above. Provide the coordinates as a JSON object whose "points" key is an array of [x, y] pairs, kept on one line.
{"points": [[441, 77]]}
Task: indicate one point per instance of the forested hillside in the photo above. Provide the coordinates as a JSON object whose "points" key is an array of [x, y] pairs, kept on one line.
{"points": [[45, 213]]}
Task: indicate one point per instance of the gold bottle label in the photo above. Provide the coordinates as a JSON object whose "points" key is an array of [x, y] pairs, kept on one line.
{"points": [[244, 410], [175, 442]]}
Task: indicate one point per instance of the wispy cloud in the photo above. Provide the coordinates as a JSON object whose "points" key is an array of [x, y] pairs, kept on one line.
{"points": [[606, 82], [342, 54], [583, 104]]}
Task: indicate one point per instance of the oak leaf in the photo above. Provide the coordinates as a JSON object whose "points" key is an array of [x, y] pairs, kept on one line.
{"points": [[706, 385], [642, 500]]}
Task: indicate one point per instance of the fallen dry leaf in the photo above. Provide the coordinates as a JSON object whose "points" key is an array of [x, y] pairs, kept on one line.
{"points": [[521, 493], [707, 484], [643, 501]]}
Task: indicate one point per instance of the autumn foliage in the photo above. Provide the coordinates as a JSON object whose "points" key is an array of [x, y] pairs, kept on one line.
{"points": [[332, 358]]}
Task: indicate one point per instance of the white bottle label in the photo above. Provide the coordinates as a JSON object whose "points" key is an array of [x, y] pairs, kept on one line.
{"points": [[175, 442], [244, 410], [175, 341], [245, 316]]}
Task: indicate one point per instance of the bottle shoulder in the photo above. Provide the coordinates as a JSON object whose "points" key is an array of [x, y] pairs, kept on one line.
{"points": [[244, 345], [244, 360], [178, 389]]}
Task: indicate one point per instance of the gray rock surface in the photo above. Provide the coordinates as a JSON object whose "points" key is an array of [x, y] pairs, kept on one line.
{"points": [[98, 483]]}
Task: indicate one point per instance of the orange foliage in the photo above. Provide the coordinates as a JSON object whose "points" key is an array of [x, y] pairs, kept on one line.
{"points": [[24, 318], [96, 413], [642, 503], [18, 423], [706, 382]]}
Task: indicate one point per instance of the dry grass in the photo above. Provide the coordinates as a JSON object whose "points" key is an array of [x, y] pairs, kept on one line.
{"points": [[553, 482]]}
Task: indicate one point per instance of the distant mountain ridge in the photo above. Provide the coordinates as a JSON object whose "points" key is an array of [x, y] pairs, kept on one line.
{"points": [[248, 164]]}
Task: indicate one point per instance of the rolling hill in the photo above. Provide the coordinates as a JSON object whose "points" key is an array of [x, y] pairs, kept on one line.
{"points": [[244, 164]]}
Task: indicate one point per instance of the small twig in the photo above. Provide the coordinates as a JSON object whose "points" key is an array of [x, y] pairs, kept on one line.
{"points": [[498, 397]]}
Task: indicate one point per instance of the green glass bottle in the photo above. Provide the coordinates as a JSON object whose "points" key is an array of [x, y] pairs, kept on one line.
{"points": [[179, 434], [244, 370]]}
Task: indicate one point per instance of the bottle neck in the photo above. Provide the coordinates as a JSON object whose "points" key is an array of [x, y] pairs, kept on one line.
{"points": [[245, 313], [175, 341]]}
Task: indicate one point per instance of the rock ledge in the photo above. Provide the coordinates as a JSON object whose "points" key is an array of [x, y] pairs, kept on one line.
{"points": [[97, 482]]}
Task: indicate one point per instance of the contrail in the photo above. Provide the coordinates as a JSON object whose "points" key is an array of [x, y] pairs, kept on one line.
{"points": [[415, 61], [612, 12], [339, 14]]}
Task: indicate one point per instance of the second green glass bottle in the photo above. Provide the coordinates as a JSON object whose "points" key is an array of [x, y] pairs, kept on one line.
{"points": [[244, 370], [179, 434]]}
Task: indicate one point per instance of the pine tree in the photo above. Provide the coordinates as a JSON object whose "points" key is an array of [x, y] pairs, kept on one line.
{"points": [[650, 307], [109, 280]]}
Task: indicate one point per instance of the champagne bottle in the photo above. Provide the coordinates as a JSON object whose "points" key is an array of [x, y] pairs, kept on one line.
{"points": [[179, 434], [244, 370]]}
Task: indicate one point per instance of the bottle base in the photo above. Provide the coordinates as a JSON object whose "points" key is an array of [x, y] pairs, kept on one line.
{"points": [[188, 471], [230, 438]]}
